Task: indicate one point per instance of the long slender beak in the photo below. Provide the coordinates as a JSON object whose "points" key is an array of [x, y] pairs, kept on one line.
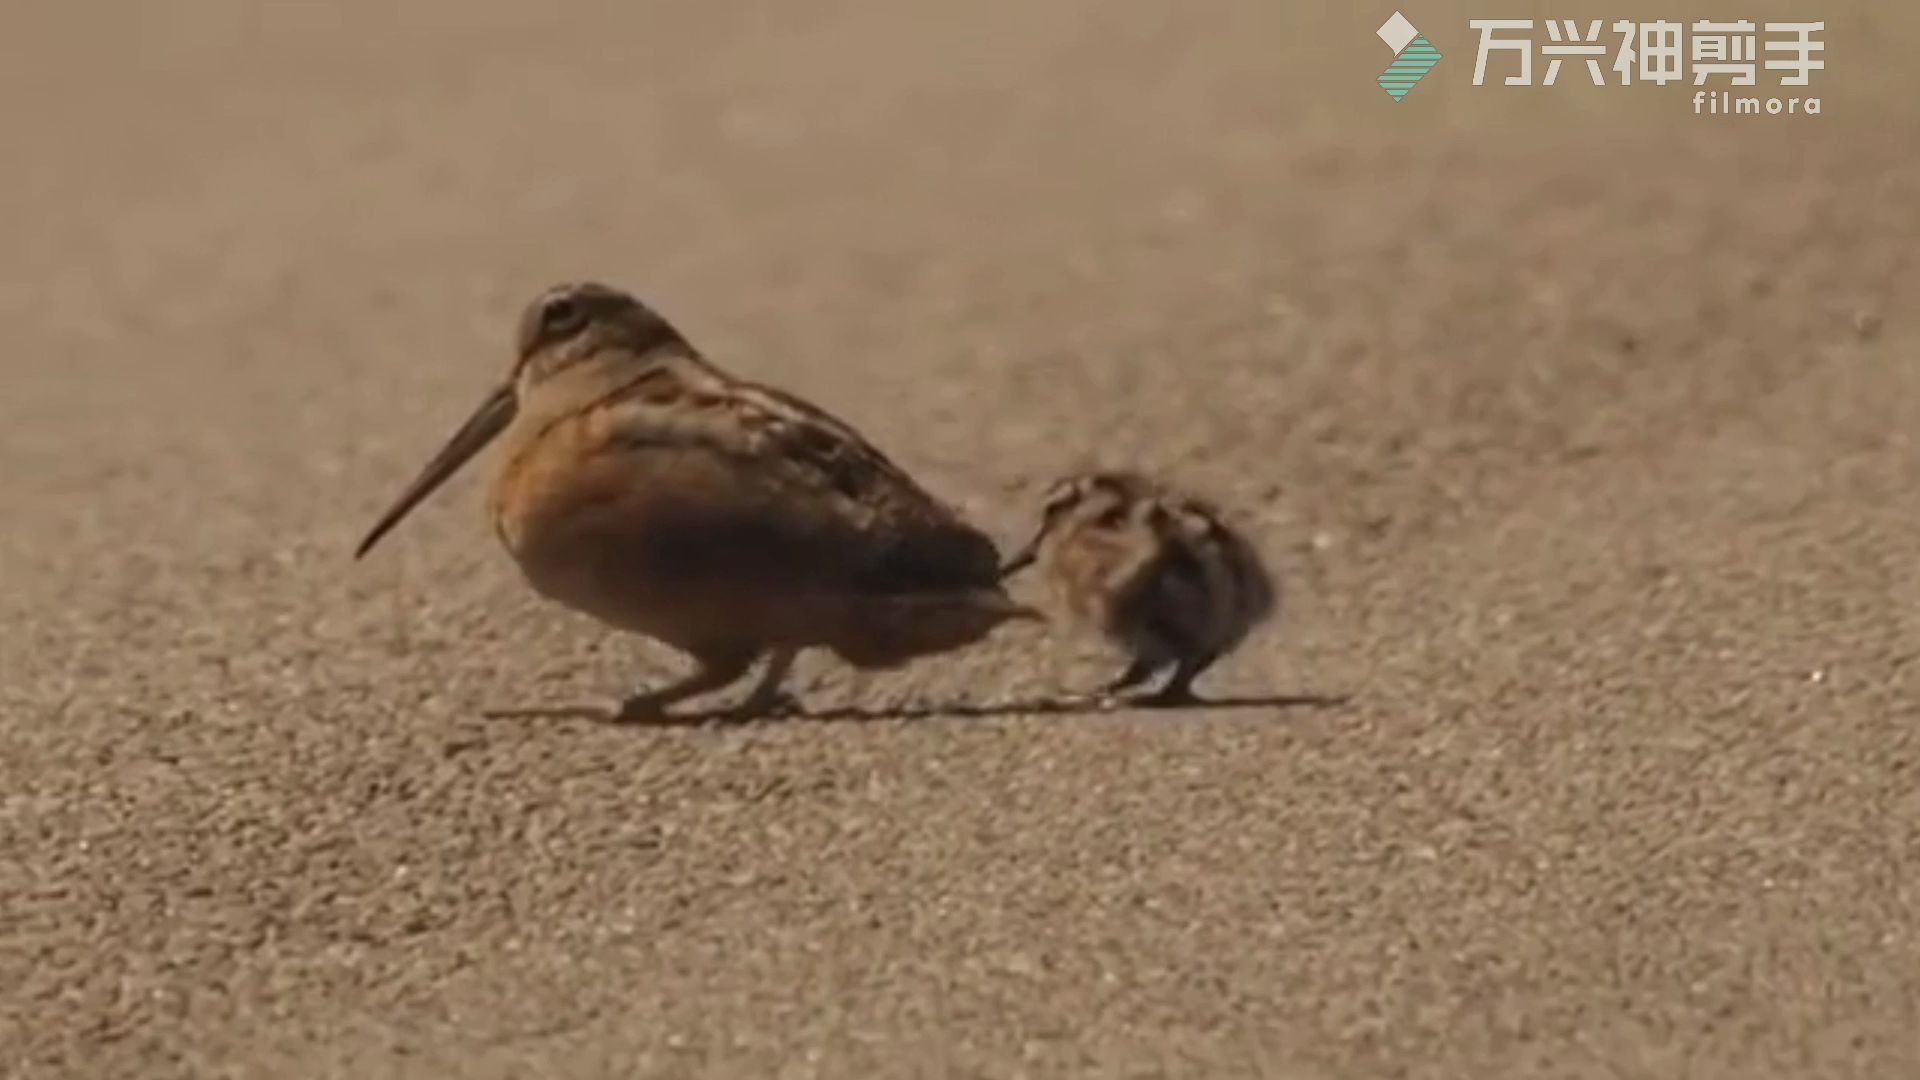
{"points": [[492, 417], [1021, 559]]}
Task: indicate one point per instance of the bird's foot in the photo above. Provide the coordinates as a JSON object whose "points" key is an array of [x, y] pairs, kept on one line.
{"points": [[635, 709], [1168, 697], [1101, 699], [760, 705]]}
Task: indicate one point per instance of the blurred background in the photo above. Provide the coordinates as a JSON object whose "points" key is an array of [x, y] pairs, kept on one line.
{"points": [[1579, 427]]}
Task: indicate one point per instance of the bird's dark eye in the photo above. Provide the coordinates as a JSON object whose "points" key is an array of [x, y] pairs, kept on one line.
{"points": [[561, 317]]}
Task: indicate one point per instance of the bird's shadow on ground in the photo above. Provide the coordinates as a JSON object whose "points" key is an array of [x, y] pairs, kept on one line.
{"points": [[1048, 706]]}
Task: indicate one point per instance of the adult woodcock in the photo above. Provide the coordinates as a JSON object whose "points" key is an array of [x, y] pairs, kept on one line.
{"points": [[643, 485]]}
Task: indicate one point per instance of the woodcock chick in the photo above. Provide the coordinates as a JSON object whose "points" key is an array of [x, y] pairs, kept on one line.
{"points": [[642, 485], [1159, 573]]}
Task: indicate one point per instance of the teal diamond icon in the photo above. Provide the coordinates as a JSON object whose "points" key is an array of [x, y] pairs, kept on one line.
{"points": [[1413, 56]]}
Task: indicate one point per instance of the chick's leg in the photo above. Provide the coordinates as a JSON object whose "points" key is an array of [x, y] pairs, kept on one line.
{"points": [[1179, 688], [1136, 673]]}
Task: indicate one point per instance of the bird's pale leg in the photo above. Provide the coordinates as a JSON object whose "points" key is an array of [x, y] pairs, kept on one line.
{"points": [[1106, 696], [1135, 674], [715, 670], [1179, 688], [766, 696]]}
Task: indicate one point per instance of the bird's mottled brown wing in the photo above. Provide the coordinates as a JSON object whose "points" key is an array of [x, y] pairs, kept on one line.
{"points": [[813, 497], [907, 540]]}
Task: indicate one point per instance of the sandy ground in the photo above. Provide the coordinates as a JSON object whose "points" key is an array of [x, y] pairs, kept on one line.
{"points": [[1586, 442]]}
